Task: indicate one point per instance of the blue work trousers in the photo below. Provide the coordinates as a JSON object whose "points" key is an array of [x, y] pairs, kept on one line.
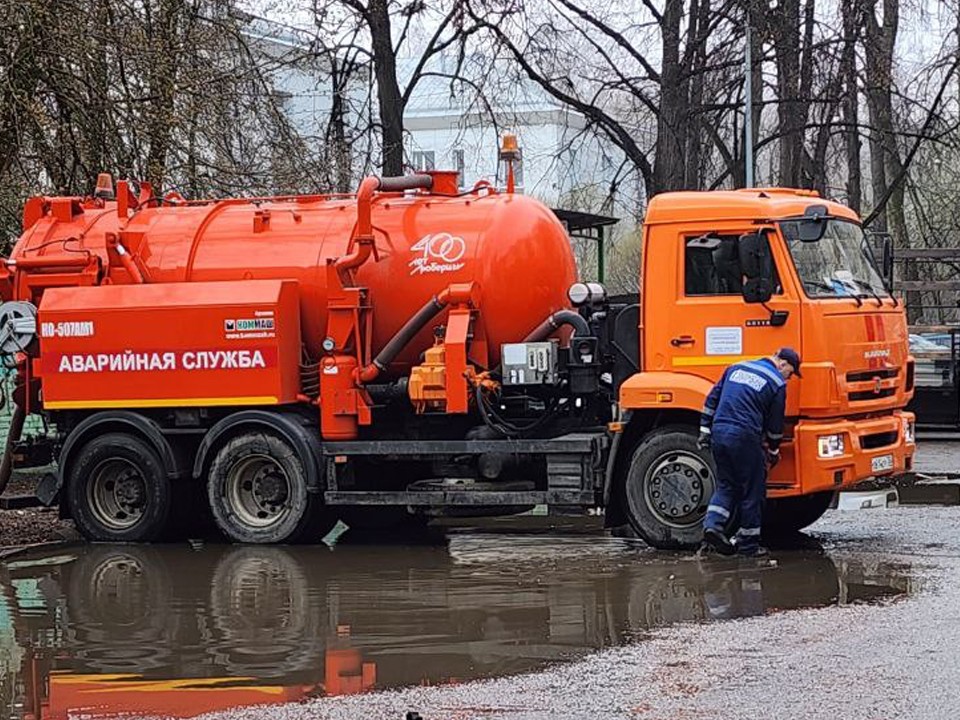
{"points": [[741, 484]]}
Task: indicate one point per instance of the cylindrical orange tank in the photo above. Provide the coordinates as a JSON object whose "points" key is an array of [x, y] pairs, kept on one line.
{"points": [[512, 246]]}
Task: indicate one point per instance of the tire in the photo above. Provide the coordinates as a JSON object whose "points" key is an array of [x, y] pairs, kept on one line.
{"points": [[786, 516], [118, 490], [257, 490], [666, 488]]}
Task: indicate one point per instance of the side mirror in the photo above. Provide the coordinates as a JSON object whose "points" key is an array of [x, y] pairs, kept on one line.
{"points": [[813, 224], [756, 264], [887, 260]]}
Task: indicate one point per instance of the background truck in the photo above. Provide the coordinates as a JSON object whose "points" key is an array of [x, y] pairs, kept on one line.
{"points": [[415, 350]]}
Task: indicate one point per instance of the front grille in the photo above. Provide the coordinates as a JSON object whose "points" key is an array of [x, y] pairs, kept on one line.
{"points": [[878, 440], [871, 395], [866, 375]]}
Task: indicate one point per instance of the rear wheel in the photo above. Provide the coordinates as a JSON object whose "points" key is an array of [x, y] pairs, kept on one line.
{"points": [[118, 490], [785, 516], [666, 488], [257, 489]]}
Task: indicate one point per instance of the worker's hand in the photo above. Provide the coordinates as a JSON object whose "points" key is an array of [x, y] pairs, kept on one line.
{"points": [[703, 442], [773, 458]]}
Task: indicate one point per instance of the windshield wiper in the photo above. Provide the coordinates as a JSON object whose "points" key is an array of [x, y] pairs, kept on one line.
{"points": [[872, 290], [833, 291]]}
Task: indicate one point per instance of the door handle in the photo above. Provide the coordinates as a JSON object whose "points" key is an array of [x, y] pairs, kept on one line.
{"points": [[682, 340]]}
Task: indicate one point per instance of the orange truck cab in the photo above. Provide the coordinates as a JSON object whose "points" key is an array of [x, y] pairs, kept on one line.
{"points": [[812, 284], [419, 350]]}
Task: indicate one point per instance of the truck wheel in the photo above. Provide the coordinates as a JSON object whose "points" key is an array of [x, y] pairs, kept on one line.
{"points": [[257, 490], [667, 487], [785, 516], [118, 490]]}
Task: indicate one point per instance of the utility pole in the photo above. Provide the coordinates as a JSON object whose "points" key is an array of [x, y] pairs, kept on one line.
{"points": [[748, 109]]}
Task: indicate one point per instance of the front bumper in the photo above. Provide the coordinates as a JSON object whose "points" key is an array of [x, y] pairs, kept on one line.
{"points": [[867, 444]]}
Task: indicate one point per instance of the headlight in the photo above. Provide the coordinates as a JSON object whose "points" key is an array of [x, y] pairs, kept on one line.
{"points": [[909, 433], [829, 446]]}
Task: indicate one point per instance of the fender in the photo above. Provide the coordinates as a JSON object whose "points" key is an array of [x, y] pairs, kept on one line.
{"points": [[664, 390], [50, 485], [653, 391], [291, 427]]}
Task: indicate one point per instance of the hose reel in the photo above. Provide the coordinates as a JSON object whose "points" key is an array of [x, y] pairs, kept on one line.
{"points": [[18, 327]]}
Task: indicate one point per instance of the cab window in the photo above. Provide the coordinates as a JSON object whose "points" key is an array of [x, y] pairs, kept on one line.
{"points": [[711, 265]]}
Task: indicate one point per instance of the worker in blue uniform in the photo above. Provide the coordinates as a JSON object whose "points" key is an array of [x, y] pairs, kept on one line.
{"points": [[742, 422]]}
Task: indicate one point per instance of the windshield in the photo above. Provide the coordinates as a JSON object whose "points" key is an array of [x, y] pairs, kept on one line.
{"points": [[840, 264]]}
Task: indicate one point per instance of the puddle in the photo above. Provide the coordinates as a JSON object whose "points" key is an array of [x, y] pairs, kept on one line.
{"points": [[103, 630]]}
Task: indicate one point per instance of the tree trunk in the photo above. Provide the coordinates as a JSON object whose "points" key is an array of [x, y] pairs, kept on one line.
{"points": [[388, 89], [886, 164], [668, 168], [161, 117], [851, 103]]}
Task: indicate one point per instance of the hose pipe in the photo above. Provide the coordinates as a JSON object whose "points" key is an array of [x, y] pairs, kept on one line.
{"points": [[363, 240], [555, 322], [461, 293], [13, 436]]}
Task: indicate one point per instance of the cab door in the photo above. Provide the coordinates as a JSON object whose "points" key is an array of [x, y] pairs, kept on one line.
{"points": [[712, 325]]}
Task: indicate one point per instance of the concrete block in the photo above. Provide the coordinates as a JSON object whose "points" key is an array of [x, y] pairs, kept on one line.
{"points": [[867, 499]]}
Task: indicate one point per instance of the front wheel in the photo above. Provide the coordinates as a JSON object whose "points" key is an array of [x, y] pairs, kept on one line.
{"points": [[257, 490], [667, 487], [117, 490], [785, 516]]}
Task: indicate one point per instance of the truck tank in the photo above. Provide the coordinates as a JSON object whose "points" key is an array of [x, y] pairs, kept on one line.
{"points": [[512, 247]]}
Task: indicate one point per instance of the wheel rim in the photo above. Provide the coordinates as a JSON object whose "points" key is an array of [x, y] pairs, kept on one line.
{"points": [[677, 487], [258, 491], [117, 493]]}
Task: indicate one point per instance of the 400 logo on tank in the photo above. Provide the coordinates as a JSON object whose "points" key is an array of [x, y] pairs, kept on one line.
{"points": [[438, 253]]}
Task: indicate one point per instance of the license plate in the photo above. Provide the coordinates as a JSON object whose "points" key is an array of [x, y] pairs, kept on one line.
{"points": [[882, 463]]}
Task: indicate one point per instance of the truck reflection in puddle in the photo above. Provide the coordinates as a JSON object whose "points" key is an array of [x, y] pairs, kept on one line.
{"points": [[103, 630]]}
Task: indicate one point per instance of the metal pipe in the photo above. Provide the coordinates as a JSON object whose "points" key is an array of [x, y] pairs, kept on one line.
{"points": [[129, 265], [457, 293], [555, 322], [46, 262], [403, 336], [13, 436]]}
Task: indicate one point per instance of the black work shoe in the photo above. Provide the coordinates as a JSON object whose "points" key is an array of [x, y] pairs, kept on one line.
{"points": [[718, 541]]}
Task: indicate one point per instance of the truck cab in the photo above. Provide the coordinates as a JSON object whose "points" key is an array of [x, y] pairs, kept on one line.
{"points": [[732, 276]]}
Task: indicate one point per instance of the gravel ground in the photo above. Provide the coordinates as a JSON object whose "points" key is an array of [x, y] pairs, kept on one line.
{"points": [[31, 525], [895, 660]]}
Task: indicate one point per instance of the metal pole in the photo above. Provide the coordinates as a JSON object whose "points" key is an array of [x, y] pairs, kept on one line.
{"points": [[748, 110], [600, 256]]}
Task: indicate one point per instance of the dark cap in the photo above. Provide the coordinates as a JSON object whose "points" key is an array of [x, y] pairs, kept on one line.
{"points": [[792, 357]]}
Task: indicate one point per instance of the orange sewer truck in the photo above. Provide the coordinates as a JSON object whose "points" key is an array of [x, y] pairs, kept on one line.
{"points": [[414, 350]]}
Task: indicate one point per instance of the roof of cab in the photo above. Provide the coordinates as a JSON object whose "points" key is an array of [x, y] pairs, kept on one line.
{"points": [[753, 204]]}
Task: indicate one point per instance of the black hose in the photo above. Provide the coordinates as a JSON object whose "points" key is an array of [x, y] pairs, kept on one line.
{"points": [[406, 182], [13, 436], [405, 334], [555, 321], [505, 427]]}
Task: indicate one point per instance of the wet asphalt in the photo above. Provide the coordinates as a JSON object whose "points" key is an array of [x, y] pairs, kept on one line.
{"points": [[880, 656]]}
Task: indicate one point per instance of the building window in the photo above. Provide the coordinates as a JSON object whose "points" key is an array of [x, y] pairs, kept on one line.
{"points": [[423, 160]]}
